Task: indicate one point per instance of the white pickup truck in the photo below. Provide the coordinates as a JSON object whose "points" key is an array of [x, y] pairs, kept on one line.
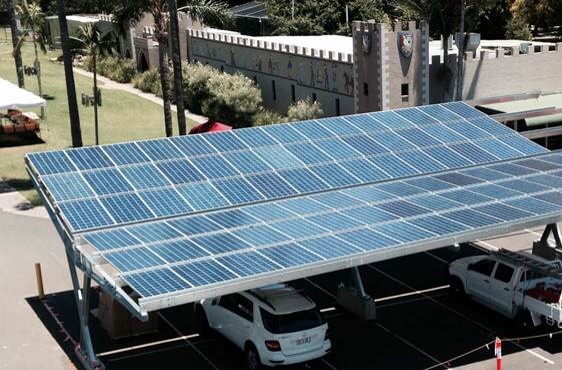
{"points": [[514, 284]]}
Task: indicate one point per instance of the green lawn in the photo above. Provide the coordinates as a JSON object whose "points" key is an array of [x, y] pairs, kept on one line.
{"points": [[123, 116]]}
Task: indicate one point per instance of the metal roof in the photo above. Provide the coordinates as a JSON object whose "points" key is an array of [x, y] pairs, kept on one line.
{"points": [[541, 101], [185, 218]]}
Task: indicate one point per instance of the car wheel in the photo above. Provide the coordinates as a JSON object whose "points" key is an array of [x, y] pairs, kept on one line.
{"points": [[457, 289], [253, 358], [525, 322], [204, 328]]}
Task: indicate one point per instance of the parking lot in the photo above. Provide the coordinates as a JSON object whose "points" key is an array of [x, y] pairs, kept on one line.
{"points": [[418, 326]]}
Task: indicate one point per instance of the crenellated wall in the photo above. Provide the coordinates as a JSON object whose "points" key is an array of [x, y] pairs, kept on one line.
{"points": [[500, 72], [280, 69]]}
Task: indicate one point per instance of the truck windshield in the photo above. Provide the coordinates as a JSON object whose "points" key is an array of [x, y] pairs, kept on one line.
{"points": [[292, 322]]}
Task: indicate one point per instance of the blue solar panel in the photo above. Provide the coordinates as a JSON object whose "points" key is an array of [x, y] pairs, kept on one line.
{"points": [[393, 166], [126, 208], [366, 123], [364, 170], [225, 141], [471, 218], [178, 250], [470, 132], [144, 176], [160, 149], [47, 163], [256, 137], [402, 208], [247, 264], [392, 120], [466, 197], [220, 243], [111, 239], [268, 212], [429, 183], [463, 110], [284, 133], [165, 202], [364, 145], [232, 218], [438, 225], [416, 116], [533, 205], [341, 126], [202, 195], [180, 171], [194, 225], [107, 181], [88, 158], [448, 157], [494, 191], [503, 212], [290, 255], [403, 232], [391, 140], [298, 229], [435, 202], [278, 157], [302, 206], [522, 186], [499, 149], [260, 235], [247, 162], [418, 137], [368, 194], [133, 259], [523, 145], [126, 153], [334, 175], [193, 145], [537, 164], [443, 113], [369, 215], [214, 167], [337, 200], [237, 190], [313, 130], [421, 161], [337, 148], [154, 232], [85, 214], [308, 153], [303, 180], [458, 179], [335, 221], [489, 125], [68, 186], [367, 239], [444, 134], [151, 283], [473, 153], [271, 185], [329, 247]]}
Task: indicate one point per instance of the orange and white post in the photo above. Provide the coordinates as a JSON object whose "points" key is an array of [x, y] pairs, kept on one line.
{"points": [[498, 354]]}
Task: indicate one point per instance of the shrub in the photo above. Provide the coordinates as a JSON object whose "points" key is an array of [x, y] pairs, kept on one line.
{"points": [[304, 110], [116, 69], [148, 81], [517, 29], [266, 117], [195, 87], [234, 99]]}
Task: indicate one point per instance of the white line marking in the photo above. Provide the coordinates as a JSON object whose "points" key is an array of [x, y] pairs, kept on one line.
{"points": [[383, 305], [412, 293], [437, 258], [144, 353], [188, 341], [329, 364], [453, 310], [327, 309], [145, 345], [486, 244], [540, 356]]}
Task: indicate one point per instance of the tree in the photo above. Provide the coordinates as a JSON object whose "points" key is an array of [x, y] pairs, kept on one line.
{"points": [[93, 45], [14, 28], [33, 20], [75, 130], [304, 110], [199, 10], [540, 13]]}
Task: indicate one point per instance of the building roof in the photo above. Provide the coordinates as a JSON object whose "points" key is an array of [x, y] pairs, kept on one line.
{"points": [[13, 97], [542, 101]]}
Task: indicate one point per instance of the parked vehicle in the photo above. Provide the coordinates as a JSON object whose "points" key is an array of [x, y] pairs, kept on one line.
{"points": [[514, 284], [274, 325]]}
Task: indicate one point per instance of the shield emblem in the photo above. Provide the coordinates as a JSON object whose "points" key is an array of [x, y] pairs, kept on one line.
{"points": [[406, 43], [366, 42]]}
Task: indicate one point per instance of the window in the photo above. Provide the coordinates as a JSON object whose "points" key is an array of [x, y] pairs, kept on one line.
{"points": [[405, 92], [338, 113], [504, 273], [483, 267], [238, 305], [292, 322], [365, 89], [314, 97], [293, 94], [273, 90]]}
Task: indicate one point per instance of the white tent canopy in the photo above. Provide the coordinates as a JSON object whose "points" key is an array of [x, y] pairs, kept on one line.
{"points": [[12, 97]]}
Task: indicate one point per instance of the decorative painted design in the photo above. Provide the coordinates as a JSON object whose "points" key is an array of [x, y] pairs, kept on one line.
{"points": [[232, 60], [312, 74], [366, 42], [334, 77], [270, 65], [301, 73], [405, 43], [326, 77], [290, 68]]}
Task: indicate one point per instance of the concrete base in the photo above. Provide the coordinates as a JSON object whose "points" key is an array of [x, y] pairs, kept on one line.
{"points": [[361, 306]]}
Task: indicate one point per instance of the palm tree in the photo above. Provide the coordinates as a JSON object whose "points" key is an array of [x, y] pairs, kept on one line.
{"points": [[92, 44], [205, 11], [33, 20], [15, 40], [75, 129]]}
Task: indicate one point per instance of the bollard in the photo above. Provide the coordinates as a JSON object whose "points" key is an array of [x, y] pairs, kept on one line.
{"points": [[39, 277], [498, 354]]}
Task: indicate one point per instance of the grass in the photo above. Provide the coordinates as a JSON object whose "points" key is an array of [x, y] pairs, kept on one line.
{"points": [[123, 116]]}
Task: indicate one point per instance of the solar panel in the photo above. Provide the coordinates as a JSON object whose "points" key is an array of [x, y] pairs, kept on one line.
{"points": [[176, 217]]}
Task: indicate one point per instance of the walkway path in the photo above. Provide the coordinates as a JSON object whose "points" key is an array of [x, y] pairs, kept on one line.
{"points": [[128, 87], [13, 202]]}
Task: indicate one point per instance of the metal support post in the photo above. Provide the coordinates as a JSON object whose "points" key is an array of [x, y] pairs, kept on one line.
{"points": [[85, 351], [544, 249], [352, 296]]}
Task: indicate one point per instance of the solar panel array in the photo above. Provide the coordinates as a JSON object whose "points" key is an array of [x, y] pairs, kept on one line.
{"points": [[189, 213], [97, 187]]}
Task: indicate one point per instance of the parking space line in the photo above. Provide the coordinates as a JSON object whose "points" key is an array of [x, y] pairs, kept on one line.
{"points": [[423, 291], [437, 257], [407, 342], [188, 341], [320, 288], [456, 312], [328, 364], [540, 356], [146, 345], [144, 353]]}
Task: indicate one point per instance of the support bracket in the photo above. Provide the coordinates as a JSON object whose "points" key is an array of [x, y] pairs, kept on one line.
{"points": [[352, 296], [544, 248]]}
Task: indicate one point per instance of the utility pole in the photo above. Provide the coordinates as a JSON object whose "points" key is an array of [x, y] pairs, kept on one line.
{"points": [[75, 130], [292, 9]]}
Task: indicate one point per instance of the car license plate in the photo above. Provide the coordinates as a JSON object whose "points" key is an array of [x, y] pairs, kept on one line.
{"points": [[303, 341]]}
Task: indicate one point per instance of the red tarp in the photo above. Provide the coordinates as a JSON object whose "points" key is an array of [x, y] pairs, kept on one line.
{"points": [[211, 126]]}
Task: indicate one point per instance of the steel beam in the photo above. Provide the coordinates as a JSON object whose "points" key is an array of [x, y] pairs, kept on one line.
{"points": [[508, 117], [502, 99]]}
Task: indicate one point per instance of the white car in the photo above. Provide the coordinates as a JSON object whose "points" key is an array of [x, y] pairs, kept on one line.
{"points": [[274, 325]]}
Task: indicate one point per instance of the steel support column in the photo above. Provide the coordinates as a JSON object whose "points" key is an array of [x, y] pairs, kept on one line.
{"points": [[352, 296], [544, 249], [85, 349]]}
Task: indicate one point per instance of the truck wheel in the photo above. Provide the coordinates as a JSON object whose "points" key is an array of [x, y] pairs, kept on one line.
{"points": [[525, 322], [252, 358], [456, 287]]}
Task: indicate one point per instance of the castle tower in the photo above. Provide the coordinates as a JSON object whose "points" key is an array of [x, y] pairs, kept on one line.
{"points": [[391, 66]]}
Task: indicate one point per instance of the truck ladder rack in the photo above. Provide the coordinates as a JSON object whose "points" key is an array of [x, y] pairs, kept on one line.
{"points": [[529, 262]]}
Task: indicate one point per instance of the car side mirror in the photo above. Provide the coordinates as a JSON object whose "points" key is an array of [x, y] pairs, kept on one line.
{"points": [[214, 302], [470, 267]]}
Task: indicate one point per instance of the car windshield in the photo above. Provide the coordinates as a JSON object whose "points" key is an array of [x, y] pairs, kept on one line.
{"points": [[292, 322]]}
